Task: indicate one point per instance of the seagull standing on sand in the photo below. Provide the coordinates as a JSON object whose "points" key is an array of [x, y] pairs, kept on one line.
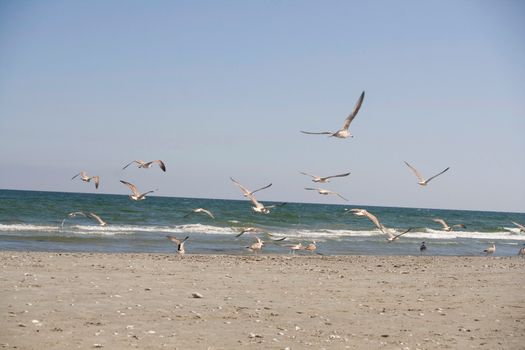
{"points": [[321, 179], [146, 165], [325, 192], [312, 247], [257, 246], [86, 178], [490, 250], [136, 196], [422, 248], [520, 226], [521, 252], [421, 180], [201, 210], [446, 227], [343, 132], [295, 247], [179, 243]]}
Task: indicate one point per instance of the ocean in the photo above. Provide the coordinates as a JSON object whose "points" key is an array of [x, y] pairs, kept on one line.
{"points": [[34, 221]]}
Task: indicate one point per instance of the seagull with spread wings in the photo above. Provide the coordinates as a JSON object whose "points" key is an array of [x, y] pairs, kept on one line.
{"points": [[421, 180], [179, 243], [323, 179], [343, 132], [146, 165], [136, 195], [392, 236], [246, 192], [91, 215], [325, 192], [86, 178], [201, 210], [446, 227]]}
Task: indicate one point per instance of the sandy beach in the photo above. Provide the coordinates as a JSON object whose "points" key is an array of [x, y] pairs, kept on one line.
{"points": [[151, 301]]}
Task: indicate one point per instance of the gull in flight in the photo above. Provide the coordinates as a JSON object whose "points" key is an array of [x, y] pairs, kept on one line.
{"points": [[179, 243], [325, 192], [81, 213], [201, 210], [490, 250], [421, 180], [146, 165], [446, 227], [246, 192], [136, 196], [258, 230], [86, 178], [321, 179], [343, 132], [392, 236], [257, 246], [422, 248], [520, 226]]}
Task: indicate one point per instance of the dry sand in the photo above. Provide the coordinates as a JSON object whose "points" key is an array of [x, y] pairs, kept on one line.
{"points": [[147, 301]]}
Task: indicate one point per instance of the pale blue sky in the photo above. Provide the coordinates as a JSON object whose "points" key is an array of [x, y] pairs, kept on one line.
{"points": [[222, 88]]}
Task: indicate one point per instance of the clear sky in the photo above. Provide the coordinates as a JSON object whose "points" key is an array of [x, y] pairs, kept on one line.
{"points": [[222, 88]]}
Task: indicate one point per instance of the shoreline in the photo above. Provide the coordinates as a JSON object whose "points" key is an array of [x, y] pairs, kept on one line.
{"points": [[60, 300]]}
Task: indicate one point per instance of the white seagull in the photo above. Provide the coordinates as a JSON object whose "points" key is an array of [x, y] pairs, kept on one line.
{"points": [[257, 246], [311, 247], [323, 179], [179, 243], [136, 196], [201, 210], [521, 252], [520, 226], [446, 227], [490, 250], [91, 215], [325, 192], [146, 165], [369, 216], [86, 178], [249, 230], [421, 180], [343, 132], [295, 247], [246, 192]]}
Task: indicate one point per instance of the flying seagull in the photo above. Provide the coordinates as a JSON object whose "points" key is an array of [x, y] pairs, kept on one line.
{"points": [[91, 215], [201, 210], [520, 226], [86, 178], [179, 243], [369, 216], [136, 196], [421, 180], [321, 179], [325, 192], [343, 132], [490, 250], [249, 230], [146, 165], [246, 192], [446, 227]]}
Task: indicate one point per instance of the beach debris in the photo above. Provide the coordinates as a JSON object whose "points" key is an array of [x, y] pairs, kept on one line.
{"points": [[421, 180], [197, 295], [343, 132], [86, 178], [136, 196], [146, 165]]}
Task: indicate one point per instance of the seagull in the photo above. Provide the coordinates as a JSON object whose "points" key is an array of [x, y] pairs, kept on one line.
{"points": [[422, 248], [201, 210], [343, 132], [146, 165], [392, 237], [91, 215], [446, 227], [325, 192], [521, 252], [179, 243], [295, 247], [255, 247], [136, 196], [421, 180], [371, 217], [324, 179], [86, 178], [245, 191], [312, 247], [490, 250], [520, 226], [249, 230]]}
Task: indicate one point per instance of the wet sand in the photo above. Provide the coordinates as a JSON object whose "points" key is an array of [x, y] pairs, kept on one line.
{"points": [[154, 301]]}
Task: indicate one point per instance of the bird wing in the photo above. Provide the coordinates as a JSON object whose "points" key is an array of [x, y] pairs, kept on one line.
{"points": [[276, 205], [98, 218], [352, 115], [75, 213], [161, 164], [174, 239], [317, 133], [337, 194], [331, 176], [441, 221], [97, 180], [262, 188], [437, 174], [131, 187], [311, 189], [135, 161], [81, 174], [402, 233], [518, 225], [312, 176], [420, 178], [208, 213], [374, 219], [243, 189]]}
